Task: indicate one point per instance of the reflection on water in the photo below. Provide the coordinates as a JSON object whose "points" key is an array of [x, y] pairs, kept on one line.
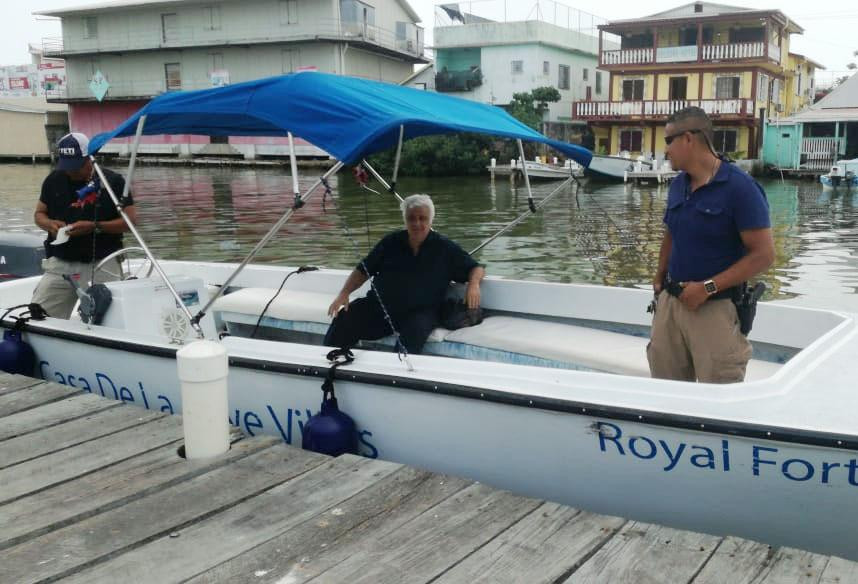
{"points": [[604, 234]]}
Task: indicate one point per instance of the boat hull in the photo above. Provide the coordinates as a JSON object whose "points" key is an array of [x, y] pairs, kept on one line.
{"points": [[688, 473], [610, 168]]}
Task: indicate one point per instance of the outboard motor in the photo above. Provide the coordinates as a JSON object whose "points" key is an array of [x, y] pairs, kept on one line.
{"points": [[16, 355], [331, 431], [21, 255]]}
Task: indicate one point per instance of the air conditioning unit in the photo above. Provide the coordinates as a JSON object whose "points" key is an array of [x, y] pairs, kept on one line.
{"points": [[779, 107]]}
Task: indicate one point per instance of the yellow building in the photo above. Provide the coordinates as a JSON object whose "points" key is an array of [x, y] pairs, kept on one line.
{"points": [[733, 62]]}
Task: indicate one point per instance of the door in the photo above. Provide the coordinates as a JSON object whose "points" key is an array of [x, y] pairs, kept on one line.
{"points": [[169, 28], [678, 88]]}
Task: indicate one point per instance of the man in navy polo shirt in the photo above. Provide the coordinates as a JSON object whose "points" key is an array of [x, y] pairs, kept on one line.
{"points": [[411, 270], [718, 236]]}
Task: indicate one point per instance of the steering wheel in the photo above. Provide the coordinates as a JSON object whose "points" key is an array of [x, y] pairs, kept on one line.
{"points": [[129, 275]]}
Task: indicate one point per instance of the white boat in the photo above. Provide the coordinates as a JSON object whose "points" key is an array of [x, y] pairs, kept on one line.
{"points": [[548, 397], [843, 174], [614, 168], [539, 170]]}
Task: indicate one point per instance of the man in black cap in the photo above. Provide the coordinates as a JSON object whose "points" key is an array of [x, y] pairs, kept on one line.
{"points": [[83, 225]]}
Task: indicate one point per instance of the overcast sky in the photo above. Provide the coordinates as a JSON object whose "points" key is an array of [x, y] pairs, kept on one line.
{"points": [[829, 25]]}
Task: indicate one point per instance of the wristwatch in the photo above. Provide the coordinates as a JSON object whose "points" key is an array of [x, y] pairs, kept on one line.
{"points": [[710, 286]]}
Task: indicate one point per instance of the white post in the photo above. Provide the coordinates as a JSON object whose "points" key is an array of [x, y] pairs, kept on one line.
{"points": [[293, 162], [203, 367]]}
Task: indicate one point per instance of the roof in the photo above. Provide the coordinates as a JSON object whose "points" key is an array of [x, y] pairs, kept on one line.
{"points": [[428, 68], [709, 10], [111, 4], [30, 105], [838, 106], [808, 60]]}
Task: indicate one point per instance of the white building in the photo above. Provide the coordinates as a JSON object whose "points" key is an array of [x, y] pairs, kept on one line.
{"points": [[488, 61]]}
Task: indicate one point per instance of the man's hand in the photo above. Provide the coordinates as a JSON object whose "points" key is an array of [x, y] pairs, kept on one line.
{"points": [[693, 295], [79, 228], [658, 283], [342, 300], [53, 226], [472, 295]]}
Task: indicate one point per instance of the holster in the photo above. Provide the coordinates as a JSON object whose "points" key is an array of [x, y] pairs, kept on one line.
{"points": [[746, 305]]}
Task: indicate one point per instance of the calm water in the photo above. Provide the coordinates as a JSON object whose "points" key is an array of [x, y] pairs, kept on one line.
{"points": [[606, 234]]}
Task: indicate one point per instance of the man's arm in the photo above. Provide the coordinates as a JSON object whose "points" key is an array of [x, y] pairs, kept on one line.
{"points": [[117, 225], [355, 280], [40, 217], [472, 291], [663, 258], [761, 255]]}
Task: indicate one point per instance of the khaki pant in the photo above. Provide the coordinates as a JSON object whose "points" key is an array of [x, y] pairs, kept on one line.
{"points": [[56, 295], [697, 345]]}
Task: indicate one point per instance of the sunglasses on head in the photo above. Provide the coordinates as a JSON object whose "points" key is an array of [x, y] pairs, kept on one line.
{"points": [[672, 137]]}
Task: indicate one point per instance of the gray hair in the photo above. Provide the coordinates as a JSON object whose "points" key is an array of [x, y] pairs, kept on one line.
{"points": [[694, 118], [414, 201]]}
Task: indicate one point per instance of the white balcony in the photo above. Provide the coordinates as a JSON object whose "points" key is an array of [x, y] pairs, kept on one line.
{"points": [[733, 51], [655, 109], [681, 54], [627, 57], [689, 53]]}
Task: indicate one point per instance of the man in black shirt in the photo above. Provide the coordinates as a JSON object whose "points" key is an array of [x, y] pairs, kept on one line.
{"points": [[411, 269], [83, 225]]}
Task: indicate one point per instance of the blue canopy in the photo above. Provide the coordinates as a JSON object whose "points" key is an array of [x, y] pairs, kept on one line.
{"points": [[349, 118]]}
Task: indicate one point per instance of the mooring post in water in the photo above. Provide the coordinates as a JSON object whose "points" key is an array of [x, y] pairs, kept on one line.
{"points": [[203, 368]]}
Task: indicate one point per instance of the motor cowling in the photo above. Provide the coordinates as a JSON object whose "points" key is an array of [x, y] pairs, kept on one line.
{"points": [[16, 355], [331, 431]]}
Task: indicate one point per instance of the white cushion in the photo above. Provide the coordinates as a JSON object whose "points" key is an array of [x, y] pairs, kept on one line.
{"points": [[289, 304]]}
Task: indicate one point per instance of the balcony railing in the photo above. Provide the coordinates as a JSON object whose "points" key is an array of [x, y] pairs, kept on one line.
{"points": [[821, 153], [140, 38], [655, 109], [687, 53]]}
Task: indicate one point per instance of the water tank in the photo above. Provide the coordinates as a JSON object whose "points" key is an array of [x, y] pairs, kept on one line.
{"points": [[21, 255]]}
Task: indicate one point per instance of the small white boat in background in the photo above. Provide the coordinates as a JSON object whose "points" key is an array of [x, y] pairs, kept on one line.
{"points": [[537, 170], [844, 173], [614, 168]]}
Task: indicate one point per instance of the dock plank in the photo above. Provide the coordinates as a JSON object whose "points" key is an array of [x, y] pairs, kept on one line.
{"points": [[790, 565], [553, 537], [64, 552], [379, 509], [59, 467], [211, 541], [110, 487], [426, 546], [34, 396], [641, 553], [72, 433], [735, 560], [53, 413], [10, 382]]}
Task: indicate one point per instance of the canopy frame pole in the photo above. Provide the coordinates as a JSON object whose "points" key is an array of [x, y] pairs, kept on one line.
{"points": [[293, 162], [530, 203], [380, 179], [397, 159], [268, 236], [145, 247], [524, 215]]}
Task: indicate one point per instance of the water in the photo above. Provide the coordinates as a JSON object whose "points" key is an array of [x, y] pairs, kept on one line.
{"points": [[607, 234]]}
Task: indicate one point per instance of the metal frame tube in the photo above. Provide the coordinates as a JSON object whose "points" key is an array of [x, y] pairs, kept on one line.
{"points": [[380, 179], [139, 238], [398, 156], [262, 242], [133, 161], [293, 162], [524, 216], [526, 177]]}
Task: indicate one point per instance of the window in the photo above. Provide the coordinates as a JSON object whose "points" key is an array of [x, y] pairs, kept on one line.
{"points": [[678, 88], [563, 77], [585, 74], [173, 76], [288, 11], [747, 35], [776, 91], [90, 27], [688, 36], [169, 27], [631, 140], [633, 89], [546, 68], [215, 62], [354, 11], [517, 66], [725, 140], [727, 88], [211, 18], [762, 87], [598, 82]]}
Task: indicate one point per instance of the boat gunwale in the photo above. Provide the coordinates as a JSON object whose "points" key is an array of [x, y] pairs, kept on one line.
{"points": [[722, 427]]}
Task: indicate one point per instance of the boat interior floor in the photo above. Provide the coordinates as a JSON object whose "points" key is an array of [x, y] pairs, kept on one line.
{"points": [[300, 316]]}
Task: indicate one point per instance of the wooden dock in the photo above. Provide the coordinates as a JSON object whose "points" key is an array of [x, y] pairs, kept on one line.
{"points": [[660, 176], [93, 491]]}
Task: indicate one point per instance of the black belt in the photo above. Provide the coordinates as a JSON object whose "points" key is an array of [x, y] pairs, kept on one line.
{"points": [[674, 288]]}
